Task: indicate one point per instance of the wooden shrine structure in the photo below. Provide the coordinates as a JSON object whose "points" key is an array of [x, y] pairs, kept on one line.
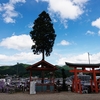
{"points": [[76, 85], [43, 66]]}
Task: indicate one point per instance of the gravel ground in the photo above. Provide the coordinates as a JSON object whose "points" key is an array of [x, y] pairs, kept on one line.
{"points": [[49, 96]]}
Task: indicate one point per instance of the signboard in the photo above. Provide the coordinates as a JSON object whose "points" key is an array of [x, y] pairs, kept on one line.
{"points": [[32, 87]]}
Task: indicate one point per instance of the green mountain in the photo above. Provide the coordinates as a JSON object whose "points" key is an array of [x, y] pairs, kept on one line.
{"points": [[20, 70], [67, 69]]}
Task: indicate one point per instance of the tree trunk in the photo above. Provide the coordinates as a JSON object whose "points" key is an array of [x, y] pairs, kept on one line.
{"points": [[42, 66], [43, 55]]}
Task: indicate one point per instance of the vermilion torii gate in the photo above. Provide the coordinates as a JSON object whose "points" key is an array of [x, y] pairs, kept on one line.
{"points": [[76, 86]]}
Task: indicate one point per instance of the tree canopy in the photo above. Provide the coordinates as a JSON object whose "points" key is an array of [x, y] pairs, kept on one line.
{"points": [[43, 35]]}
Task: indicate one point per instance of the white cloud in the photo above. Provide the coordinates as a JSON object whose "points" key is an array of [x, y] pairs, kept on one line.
{"points": [[99, 32], [58, 59], [62, 8], [96, 23], [80, 2], [81, 58], [21, 42], [37, 0], [0, 7], [64, 22], [66, 9], [8, 10], [90, 32], [54, 20], [64, 43], [17, 1], [2, 57], [23, 57], [30, 25]]}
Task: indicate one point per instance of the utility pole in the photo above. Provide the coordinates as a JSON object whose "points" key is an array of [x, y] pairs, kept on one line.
{"points": [[89, 57], [17, 69]]}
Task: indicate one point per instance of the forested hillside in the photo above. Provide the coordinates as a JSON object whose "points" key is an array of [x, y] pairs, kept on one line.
{"points": [[20, 70]]}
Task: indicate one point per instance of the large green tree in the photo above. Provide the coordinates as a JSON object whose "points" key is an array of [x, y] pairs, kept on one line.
{"points": [[43, 35]]}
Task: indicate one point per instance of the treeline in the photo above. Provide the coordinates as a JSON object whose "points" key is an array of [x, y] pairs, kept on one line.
{"points": [[20, 70]]}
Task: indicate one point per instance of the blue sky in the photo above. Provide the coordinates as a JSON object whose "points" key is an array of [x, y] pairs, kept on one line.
{"points": [[76, 23]]}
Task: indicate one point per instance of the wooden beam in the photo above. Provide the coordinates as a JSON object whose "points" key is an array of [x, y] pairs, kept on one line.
{"points": [[42, 69], [85, 71]]}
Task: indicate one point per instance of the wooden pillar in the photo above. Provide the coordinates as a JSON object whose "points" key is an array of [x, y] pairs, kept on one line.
{"points": [[95, 81], [53, 81], [42, 81], [53, 77], [91, 85], [83, 68], [30, 75], [75, 81]]}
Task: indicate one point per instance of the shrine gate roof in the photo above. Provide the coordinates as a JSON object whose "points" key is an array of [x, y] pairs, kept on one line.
{"points": [[83, 65], [42, 66]]}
